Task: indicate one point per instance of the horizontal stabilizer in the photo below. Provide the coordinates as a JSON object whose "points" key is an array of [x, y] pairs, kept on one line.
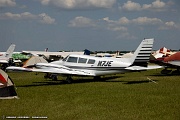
{"points": [[150, 67]]}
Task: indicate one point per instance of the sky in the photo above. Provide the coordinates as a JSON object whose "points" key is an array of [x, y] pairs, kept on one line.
{"points": [[97, 25]]}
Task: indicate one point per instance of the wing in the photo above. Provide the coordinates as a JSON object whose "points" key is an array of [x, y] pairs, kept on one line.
{"points": [[3, 61], [50, 68]]}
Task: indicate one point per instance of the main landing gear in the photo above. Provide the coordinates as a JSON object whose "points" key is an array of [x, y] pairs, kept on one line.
{"points": [[69, 79], [50, 76], [55, 78], [165, 71]]}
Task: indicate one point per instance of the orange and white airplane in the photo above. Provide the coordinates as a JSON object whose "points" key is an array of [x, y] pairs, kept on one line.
{"points": [[85, 65]]}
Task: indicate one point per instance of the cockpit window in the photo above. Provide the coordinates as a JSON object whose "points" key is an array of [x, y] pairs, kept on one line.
{"points": [[82, 60], [91, 61], [72, 59]]}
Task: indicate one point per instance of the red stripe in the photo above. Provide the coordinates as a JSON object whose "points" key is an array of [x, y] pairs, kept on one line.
{"points": [[2, 79]]}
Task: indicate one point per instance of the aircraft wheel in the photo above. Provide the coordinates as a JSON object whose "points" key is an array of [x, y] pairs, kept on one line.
{"points": [[54, 77], [165, 71], [47, 75], [69, 79], [97, 77]]}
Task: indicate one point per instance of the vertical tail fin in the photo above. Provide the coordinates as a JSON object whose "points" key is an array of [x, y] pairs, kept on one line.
{"points": [[10, 51], [142, 54]]}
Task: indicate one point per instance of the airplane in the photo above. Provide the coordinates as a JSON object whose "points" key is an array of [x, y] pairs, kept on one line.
{"points": [[5, 56], [170, 62], [52, 56], [86, 65]]}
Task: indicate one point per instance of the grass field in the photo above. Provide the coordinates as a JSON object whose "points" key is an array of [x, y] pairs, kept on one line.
{"points": [[129, 96]]}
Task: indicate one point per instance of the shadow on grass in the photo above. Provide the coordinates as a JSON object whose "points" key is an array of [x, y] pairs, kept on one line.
{"points": [[161, 75], [140, 82], [85, 80], [76, 81], [44, 83]]}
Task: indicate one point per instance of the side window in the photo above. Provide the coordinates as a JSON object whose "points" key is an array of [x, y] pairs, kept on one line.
{"points": [[72, 59], [91, 61], [82, 60]]}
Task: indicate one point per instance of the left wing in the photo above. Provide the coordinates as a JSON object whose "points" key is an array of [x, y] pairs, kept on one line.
{"points": [[49, 68]]}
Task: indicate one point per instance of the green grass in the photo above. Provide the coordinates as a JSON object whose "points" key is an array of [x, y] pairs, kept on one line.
{"points": [[127, 96]]}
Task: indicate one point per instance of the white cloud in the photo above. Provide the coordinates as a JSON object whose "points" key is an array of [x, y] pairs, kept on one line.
{"points": [[136, 21], [116, 28], [81, 21], [21, 16], [79, 4], [43, 18], [7, 3], [146, 21], [45, 2], [123, 24], [169, 25], [131, 6], [124, 21], [157, 5]]}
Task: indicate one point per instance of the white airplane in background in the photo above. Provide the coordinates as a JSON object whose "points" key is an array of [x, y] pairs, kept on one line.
{"points": [[5, 56], [50, 56], [85, 65]]}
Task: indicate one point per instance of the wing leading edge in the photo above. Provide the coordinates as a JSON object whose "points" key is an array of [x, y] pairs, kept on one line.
{"points": [[51, 68]]}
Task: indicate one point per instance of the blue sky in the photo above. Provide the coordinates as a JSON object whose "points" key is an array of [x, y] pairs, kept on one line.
{"points": [[88, 24]]}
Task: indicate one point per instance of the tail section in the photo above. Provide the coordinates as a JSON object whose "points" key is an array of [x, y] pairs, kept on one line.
{"points": [[10, 51], [142, 54]]}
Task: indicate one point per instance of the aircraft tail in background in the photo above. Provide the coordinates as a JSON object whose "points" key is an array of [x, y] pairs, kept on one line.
{"points": [[10, 51]]}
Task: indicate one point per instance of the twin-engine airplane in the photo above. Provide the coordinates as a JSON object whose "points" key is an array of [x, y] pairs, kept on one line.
{"points": [[85, 65]]}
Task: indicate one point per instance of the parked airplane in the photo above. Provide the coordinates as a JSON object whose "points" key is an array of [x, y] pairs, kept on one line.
{"points": [[5, 56], [85, 65], [170, 62], [52, 56]]}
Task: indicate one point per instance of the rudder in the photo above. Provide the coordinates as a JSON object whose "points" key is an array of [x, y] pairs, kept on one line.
{"points": [[142, 54]]}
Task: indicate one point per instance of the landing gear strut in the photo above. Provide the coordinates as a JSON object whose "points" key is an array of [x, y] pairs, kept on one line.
{"points": [[69, 79]]}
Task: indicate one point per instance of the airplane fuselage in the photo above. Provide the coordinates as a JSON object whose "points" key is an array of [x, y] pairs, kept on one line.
{"points": [[94, 65]]}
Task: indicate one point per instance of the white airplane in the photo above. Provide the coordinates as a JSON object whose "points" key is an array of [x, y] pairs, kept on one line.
{"points": [[85, 65], [51, 56], [5, 56]]}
